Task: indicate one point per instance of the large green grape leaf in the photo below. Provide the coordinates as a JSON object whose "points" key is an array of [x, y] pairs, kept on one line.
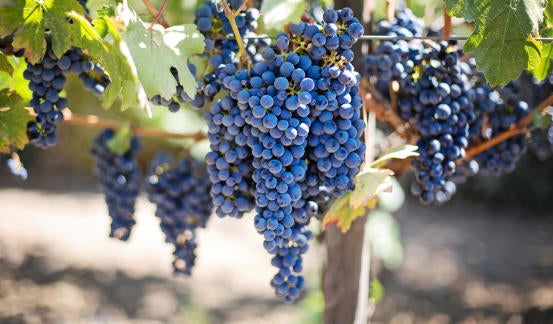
{"points": [[278, 13], [154, 51], [112, 55], [13, 121], [502, 40], [465, 8], [28, 20]]}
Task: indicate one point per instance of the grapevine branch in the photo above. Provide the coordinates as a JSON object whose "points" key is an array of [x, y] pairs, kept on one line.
{"points": [[518, 128], [374, 102], [95, 121], [448, 26], [231, 16], [158, 15]]}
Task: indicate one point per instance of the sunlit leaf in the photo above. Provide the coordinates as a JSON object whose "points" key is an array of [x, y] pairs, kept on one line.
{"points": [[368, 184], [63, 23], [154, 51], [13, 121], [501, 41], [341, 214], [398, 152]]}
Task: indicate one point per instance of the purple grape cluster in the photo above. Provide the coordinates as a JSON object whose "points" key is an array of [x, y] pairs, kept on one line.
{"points": [[229, 162], [47, 79], [291, 126], [450, 105], [497, 110], [120, 180], [392, 59], [180, 191], [438, 101]]}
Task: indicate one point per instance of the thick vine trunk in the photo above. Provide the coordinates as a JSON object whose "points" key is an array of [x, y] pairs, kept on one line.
{"points": [[341, 274], [343, 264]]}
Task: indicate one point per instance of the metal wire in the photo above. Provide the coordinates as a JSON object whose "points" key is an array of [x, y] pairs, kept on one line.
{"points": [[386, 37]]}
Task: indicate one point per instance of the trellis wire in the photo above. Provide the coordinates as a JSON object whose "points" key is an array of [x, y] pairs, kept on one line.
{"points": [[386, 37]]}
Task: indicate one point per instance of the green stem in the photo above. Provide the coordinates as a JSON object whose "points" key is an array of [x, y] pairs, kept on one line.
{"points": [[231, 16]]}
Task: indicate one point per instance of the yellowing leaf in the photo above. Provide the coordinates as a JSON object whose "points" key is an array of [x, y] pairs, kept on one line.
{"points": [[399, 152], [368, 184], [341, 214]]}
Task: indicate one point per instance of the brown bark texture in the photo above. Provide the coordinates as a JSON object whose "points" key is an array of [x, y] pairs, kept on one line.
{"points": [[341, 275]]}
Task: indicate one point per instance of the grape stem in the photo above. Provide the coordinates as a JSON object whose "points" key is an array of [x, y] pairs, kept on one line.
{"points": [[518, 128], [383, 110], [390, 10], [231, 16], [448, 26], [95, 121], [158, 15]]}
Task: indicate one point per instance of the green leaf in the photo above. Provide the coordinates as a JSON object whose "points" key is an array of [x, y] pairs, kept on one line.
{"points": [[341, 214], [154, 51], [549, 14], [15, 82], [121, 140], [30, 19], [533, 49], [108, 11], [541, 120], [5, 64], [278, 13], [13, 122], [463, 8], [542, 69], [111, 55], [369, 183], [502, 42], [383, 230], [101, 27], [398, 152], [376, 293]]}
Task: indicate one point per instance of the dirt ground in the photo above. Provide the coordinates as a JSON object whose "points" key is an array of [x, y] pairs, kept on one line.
{"points": [[463, 264]]}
